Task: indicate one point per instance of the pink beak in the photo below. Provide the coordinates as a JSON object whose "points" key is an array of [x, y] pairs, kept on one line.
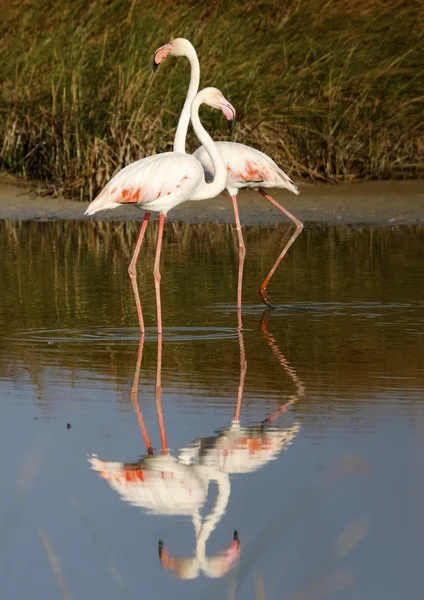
{"points": [[160, 55], [229, 112]]}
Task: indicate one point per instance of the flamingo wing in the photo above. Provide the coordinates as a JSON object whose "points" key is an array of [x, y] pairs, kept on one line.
{"points": [[164, 488], [246, 167], [156, 183]]}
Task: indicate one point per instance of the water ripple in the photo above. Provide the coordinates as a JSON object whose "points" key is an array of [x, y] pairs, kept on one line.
{"points": [[112, 335]]}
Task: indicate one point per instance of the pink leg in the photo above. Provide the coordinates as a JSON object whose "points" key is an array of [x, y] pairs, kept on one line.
{"points": [[299, 226], [134, 397], [159, 397], [133, 273], [300, 388], [156, 271], [242, 254]]}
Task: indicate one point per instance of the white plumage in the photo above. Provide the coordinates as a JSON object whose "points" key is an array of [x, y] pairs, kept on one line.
{"points": [[156, 184], [159, 183], [246, 167], [157, 484]]}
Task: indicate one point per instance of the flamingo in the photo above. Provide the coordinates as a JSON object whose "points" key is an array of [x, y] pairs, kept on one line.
{"points": [[161, 182], [246, 167], [162, 484]]}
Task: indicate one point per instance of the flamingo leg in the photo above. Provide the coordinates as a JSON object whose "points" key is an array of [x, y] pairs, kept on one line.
{"points": [[243, 363], [133, 272], [299, 226], [242, 254], [134, 397], [300, 388], [158, 395], [156, 271]]}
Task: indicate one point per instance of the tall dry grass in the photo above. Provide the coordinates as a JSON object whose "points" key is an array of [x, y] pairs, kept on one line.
{"points": [[333, 90]]}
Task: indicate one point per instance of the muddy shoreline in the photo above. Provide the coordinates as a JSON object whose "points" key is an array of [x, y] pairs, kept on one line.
{"points": [[378, 202]]}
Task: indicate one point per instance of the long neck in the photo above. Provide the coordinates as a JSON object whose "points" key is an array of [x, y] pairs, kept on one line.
{"points": [[208, 190], [216, 514], [181, 133]]}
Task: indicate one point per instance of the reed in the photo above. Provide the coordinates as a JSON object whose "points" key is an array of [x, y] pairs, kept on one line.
{"points": [[332, 90]]}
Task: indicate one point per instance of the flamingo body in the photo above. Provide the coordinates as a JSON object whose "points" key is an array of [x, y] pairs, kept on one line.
{"points": [[246, 168], [157, 484], [155, 184], [240, 449], [158, 183]]}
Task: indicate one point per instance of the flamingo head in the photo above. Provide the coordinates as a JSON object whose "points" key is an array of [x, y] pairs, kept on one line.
{"points": [[215, 99], [177, 47]]}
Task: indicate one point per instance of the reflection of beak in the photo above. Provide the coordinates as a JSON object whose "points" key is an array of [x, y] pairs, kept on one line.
{"points": [[166, 561]]}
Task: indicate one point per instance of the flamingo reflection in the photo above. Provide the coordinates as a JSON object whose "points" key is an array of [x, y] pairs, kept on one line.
{"points": [[163, 484]]}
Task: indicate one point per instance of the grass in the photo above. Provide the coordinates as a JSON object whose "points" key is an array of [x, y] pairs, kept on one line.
{"points": [[332, 90]]}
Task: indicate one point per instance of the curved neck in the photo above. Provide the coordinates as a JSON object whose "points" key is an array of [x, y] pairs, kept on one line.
{"points": [[208, 190], [181, 133], [216, 514]]}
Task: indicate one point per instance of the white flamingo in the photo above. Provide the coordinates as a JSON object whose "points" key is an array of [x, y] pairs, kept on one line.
{"points": [[158, 183], [166, 485], [246, 167]]}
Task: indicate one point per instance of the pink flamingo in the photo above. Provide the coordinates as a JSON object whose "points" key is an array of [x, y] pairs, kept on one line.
{"points": [[246, 167], [158, 183]]}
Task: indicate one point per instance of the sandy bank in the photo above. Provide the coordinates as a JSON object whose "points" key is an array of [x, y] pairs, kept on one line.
{"points": [[379, 202]]}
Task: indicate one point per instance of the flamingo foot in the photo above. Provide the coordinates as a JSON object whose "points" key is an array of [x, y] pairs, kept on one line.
{"points": [[266, 299]]}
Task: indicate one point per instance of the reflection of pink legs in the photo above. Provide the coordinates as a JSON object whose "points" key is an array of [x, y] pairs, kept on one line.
{"points": [[156, 271], [280, 409], [158, 393], [243, 367], [300, 388], [159, 397], [243, 363], [133, 272], [134, 397], [242, 254], [299, 226]]}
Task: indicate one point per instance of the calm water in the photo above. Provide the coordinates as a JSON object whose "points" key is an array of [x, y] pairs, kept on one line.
{"points": [[323, 477]]}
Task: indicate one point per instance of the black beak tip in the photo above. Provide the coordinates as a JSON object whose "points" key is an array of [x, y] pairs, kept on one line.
{"points": [[154, 66], [231, 123]]}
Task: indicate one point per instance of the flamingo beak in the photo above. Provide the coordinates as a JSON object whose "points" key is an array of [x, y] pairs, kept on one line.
{"points": [[160, 55], [229, 112]]}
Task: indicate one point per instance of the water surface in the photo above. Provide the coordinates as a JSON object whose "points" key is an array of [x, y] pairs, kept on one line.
{"points": [[329, 389]]}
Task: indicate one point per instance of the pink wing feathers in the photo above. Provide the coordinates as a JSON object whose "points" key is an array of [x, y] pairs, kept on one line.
{"points": [[156, 183], [247, 167]]}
